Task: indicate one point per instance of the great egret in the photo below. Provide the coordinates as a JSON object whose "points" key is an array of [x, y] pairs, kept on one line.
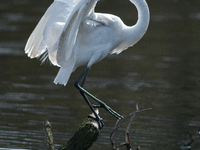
{"points": [[70, 34]]}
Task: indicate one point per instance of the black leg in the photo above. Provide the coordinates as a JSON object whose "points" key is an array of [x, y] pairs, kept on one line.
{"points": [[82, 91], [101, 104]]}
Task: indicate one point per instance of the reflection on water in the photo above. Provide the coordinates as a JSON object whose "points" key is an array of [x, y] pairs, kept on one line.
{"points": [[162, 70]]}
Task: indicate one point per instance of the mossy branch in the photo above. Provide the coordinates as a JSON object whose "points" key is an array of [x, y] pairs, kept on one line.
{"points": [[49, 136], [82, 139]]}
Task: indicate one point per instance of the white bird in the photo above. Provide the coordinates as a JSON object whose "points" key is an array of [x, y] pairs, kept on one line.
{"points": [[70, 34]]}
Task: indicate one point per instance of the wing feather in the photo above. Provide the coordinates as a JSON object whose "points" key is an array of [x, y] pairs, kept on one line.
{"points": [[35, 45], [44, 36], [67, 40], [57, 30], [68, 37]]}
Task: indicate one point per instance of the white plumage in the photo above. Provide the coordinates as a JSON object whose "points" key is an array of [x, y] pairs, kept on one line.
{"points": [[73, 35]]}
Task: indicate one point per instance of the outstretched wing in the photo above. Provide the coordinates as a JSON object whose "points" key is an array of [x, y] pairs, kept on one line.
{"points": [[84, 9], [46, 34]]}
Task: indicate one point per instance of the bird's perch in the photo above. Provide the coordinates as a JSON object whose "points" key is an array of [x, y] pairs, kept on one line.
{"points": [[82, 139]]}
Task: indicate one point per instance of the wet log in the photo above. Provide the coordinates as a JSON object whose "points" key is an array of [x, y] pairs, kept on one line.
{"points": [[84, 137]]}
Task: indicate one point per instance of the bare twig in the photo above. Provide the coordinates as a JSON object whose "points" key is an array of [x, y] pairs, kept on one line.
{"points": [[128, 145], [132, 116], [122, 122]]}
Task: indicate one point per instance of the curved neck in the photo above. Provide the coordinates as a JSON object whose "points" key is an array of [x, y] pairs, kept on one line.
{"points": [[136, 32]]}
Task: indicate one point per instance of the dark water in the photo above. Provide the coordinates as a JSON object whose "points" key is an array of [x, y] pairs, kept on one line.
{"points": [[162, 70]]}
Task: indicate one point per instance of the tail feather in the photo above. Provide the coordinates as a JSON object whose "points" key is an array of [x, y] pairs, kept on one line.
{"points": [[63, 76]]}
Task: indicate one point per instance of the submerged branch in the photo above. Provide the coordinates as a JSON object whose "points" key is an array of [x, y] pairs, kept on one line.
{"points": [[122, 122], [48, 135]]}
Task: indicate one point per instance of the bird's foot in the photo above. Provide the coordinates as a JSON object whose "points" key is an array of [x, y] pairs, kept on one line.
{"points": [[99, 121], [106, 107]]}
